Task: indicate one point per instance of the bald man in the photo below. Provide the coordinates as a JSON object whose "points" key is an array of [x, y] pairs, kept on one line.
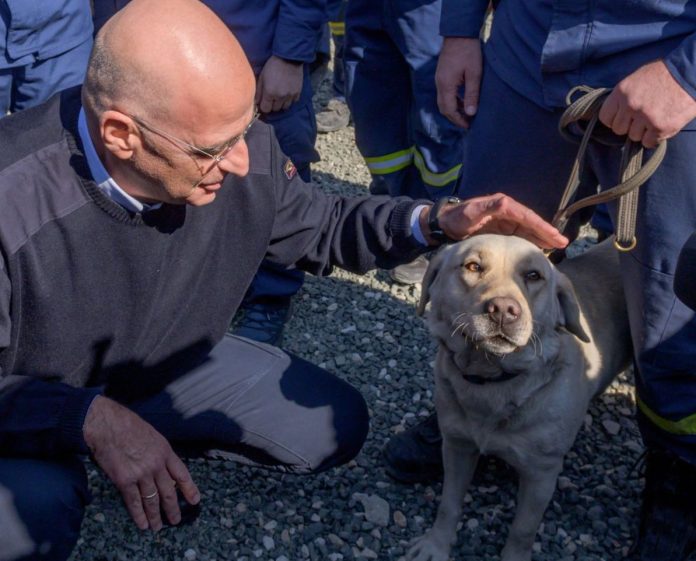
{"points": [[133, 216]]}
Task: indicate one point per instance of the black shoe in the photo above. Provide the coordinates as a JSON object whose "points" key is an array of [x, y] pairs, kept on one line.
{"points": [[415, 455], [410, 273], [667, 529], [263, 320]]}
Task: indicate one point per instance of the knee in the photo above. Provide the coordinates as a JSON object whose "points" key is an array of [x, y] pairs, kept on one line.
{"points": [[352, 423], [50, 499]]}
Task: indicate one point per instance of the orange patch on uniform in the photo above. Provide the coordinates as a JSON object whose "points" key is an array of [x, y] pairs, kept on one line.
{"points": [[289, 169]]}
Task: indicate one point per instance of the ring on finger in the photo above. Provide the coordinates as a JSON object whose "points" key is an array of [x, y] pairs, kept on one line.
{"points": [[151, 495]]}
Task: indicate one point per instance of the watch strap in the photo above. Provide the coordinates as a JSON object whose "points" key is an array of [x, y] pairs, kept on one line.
{"points": [[436, 231]]}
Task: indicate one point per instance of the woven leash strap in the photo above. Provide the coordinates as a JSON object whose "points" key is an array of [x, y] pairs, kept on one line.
{"points": [[633, 173]]}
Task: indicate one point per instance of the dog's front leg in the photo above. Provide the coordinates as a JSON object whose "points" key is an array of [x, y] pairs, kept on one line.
{"points": [[536, 487], [459, 460]]}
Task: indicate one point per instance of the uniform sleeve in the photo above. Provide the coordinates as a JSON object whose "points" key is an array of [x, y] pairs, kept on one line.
{"points": [[38, 417], [298, 28], [462, 19], [681, 63], [315, 231]]}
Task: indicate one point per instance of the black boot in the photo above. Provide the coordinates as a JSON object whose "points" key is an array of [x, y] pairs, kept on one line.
{"points": [[667, 529], [415, 455]]}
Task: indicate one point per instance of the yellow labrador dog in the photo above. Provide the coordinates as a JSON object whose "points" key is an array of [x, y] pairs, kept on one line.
{"points": [[523, 347]]}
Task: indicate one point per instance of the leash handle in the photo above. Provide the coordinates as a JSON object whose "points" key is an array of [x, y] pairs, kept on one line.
{"points": [[633, 172]]}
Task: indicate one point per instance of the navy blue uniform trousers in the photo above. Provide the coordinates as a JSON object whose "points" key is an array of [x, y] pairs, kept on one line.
{"points": [[246, 402], [390, 57], [514, 147]]}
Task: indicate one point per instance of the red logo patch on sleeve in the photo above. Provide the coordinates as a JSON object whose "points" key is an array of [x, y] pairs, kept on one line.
{"points": [[289, 169]]}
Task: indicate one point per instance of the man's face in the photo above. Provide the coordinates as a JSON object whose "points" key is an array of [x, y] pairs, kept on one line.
{"points": [[179, 166]]}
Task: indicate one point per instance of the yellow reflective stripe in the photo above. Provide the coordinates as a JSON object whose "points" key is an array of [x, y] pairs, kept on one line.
{"points": [[685, 426], [382, 165], [337, 27], [435, 179]]}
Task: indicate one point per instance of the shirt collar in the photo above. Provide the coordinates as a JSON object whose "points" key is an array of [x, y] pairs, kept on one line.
{"points": [[102, 178]]}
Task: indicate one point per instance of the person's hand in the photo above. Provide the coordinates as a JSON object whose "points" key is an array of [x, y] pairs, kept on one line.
{"points": [[139, 461], [459, 64], [648, 105], [279, 85], [495, 214]]}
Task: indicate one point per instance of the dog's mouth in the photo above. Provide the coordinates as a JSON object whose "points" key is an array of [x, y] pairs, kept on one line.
{"points": [[499, 344]]}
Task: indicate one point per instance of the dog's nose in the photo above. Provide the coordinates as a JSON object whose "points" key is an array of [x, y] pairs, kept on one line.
{"points": [[503, 310]]}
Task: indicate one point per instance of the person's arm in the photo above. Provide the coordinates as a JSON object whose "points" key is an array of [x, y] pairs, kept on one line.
{"points": [[294, 43], [316, 231], [40, 417], [460, 62], [656, 101]]}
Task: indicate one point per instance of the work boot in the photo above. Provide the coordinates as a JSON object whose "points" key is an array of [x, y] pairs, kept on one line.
{"points": [[335, 116], [415, 455], [410, 273], [667, 530], [263, 320]]}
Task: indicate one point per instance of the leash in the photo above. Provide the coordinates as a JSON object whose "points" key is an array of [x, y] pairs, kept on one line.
{"points": [[633, 173]]}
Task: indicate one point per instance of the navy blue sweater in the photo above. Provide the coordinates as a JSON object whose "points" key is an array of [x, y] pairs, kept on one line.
{"points": [[92, 296]]}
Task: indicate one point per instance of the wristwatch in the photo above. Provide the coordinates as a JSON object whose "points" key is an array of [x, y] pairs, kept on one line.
{"points": [[436, 231]]}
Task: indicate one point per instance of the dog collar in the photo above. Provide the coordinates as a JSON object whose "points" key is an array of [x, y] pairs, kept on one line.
{"points": [[481, 380]]}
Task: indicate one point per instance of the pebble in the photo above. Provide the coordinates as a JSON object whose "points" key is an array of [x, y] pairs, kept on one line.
{"points": [[190, 555], [612, 427]]}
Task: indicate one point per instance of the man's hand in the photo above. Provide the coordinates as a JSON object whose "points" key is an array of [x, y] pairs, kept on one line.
{"points": [[648, 105], [495, 214], [279, 85], [139, 461], [459, 64]]}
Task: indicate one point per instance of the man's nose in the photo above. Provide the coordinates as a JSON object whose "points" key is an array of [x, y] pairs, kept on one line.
{"points": [[236, 161]]}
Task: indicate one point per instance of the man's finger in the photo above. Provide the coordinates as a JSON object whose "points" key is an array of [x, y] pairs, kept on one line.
{"points": [[504, 208], [622, 121], [150, 498], [134, 504], [637, 130], [168, 499], [178, 472], [472, 87], [609, 109]]}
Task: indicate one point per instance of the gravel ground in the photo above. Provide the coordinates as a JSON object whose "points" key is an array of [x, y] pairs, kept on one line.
{"points": [[364, 329]]}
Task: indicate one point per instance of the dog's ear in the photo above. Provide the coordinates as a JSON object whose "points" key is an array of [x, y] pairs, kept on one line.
{"points": [[570, 310], [428, 279]]}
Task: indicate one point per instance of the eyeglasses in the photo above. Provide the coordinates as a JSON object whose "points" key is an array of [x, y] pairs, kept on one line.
{"points": [[192, 150]]}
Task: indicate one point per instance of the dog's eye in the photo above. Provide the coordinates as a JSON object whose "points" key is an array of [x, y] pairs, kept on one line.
{"points": [[473, 267], [533, 276]]}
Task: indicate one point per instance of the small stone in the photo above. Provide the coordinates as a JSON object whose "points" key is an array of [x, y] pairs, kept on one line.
{"points": [[612, 427], [268, 543], [472, 523], [99, 517], [335, 540], [400, 519], [376, 508], [564, 483], [190, 554], [270, 525]]}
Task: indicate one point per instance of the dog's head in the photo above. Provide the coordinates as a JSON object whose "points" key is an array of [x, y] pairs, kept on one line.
{"points": [[498, 294]]}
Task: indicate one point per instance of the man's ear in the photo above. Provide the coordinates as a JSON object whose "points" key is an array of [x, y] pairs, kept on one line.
{"points": [[428, 279], [119, 134], [569, 308]]}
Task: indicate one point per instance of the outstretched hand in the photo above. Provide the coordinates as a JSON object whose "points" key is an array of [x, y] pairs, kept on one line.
{"points": [[139, 461], [497, 214], [648, 105]]}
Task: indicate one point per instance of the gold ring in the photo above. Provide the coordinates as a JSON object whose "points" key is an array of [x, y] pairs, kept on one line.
{"points": [[151, 495]]}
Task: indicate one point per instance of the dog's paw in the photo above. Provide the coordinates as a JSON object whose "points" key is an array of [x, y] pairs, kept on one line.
{"points": [[427, 548]]}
